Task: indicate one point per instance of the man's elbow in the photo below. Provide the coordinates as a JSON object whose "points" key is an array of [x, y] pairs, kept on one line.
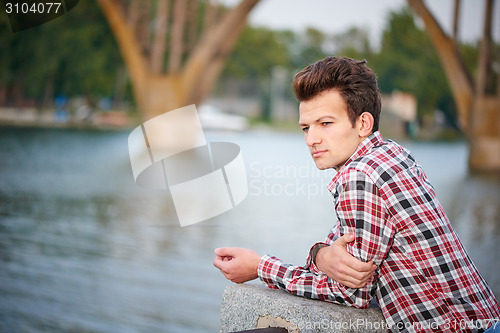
{"points": [[362, 305], [359, 298]]}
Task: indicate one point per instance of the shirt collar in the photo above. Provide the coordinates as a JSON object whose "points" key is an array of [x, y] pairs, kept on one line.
{"points": [[375, 139]]}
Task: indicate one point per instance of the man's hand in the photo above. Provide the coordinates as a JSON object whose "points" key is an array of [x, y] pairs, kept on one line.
{"points": [[237, 264], [341, 266]]}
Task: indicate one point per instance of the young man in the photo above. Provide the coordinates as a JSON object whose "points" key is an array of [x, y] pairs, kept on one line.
{"points": [[389, 218]]}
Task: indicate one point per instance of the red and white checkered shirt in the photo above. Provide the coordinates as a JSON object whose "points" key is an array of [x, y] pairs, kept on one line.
{"points": [[425, 281]]}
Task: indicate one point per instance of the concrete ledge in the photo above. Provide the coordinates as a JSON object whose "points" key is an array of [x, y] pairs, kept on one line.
{"points": [[250, 306]]}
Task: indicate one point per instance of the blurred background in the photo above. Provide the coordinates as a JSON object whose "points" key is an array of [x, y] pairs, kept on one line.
{"points": [[84, 249]]}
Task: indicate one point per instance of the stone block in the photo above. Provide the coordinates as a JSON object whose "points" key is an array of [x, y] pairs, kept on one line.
{"points": [[250, 306]]}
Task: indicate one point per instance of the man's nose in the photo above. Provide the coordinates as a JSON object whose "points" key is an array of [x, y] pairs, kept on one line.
{"points": [[312, 137]]}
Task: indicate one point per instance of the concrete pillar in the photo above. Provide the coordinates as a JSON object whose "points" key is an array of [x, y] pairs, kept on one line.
{"points": [[484, 137]]}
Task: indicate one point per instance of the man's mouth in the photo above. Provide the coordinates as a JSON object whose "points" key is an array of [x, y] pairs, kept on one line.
{"points": [[318, 153]]}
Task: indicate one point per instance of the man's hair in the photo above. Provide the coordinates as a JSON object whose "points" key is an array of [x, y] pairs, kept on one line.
{"points": [[352, 79]]}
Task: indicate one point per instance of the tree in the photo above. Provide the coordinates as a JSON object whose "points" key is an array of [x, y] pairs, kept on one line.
{"points": [[407, 61], [256, 53], [353, 43], [248, 71], [72, 55], [478, 102], [311, 47], [166, 76]]}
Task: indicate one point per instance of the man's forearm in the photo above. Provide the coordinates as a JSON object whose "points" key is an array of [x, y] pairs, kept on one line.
{"points": [[340, 265], [303, 282]]}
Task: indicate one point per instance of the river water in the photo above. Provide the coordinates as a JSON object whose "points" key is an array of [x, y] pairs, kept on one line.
{"points": [[84, 249]]}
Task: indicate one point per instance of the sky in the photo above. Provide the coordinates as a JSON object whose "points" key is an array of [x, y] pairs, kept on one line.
{"points": [[337, 16]]}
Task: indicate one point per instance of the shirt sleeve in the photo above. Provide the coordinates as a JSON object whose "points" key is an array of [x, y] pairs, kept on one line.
{"points": [[301, 281], [361, 211]]}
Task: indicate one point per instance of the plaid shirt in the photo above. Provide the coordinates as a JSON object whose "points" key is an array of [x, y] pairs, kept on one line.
{"points": [[425, 282]]}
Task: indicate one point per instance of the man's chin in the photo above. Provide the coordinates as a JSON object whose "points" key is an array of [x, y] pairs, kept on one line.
{"points": [[324, 166], [321, 166]]}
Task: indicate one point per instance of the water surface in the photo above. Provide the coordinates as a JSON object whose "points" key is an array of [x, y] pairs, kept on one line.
{"points": [[84, 249]]}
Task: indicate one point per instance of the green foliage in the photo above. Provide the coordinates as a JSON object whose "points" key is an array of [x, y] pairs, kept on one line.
{"points": [[354, 43], [256, 52], [311, 46], [74, 54], [249, 68], [408, 62], [470, 54]]}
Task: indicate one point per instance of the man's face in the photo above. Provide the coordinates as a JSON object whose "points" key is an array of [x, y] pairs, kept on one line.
{"points": [[329, 133]]}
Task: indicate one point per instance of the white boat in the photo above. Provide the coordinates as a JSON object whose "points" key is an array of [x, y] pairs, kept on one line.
{"points": [[214, 119]]}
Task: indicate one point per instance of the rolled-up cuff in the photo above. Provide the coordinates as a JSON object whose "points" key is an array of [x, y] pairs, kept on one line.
{"points": [[311, 259], [266, 268]]}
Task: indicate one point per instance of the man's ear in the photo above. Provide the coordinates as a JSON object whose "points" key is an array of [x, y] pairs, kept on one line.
{"points": [[365, 122]]}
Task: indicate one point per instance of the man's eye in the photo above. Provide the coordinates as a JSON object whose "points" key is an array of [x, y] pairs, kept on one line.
{"points": [[305, 129], [326, 123]]}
